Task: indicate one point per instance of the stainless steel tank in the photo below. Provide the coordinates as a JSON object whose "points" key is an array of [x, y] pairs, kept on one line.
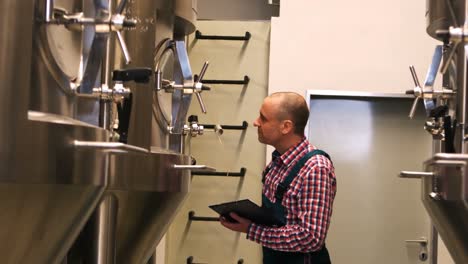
{"points": [[445, 181], [144, 191], [445, 196], [46, 193], [60, 166]]}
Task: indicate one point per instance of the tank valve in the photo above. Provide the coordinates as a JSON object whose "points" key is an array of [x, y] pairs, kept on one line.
{"points": [[193, 128], [196, 87]]}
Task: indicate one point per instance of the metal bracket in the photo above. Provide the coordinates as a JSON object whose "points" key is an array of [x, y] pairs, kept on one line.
{"points": [[190, 261], [244, 126], [245, 81], [241, 173], [246, 37], [192, 217]]}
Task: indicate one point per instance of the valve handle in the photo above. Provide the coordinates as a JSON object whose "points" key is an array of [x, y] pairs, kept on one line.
{"points": [[120, 8], [415, 91], [200, 101], [124, 48], [198, 79], [203, 71]]}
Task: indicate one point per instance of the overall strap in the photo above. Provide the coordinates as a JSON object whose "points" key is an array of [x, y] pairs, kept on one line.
{"points": [[284, 186]]}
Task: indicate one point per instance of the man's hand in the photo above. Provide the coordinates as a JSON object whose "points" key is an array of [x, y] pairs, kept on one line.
{"points": [[241, 226]]}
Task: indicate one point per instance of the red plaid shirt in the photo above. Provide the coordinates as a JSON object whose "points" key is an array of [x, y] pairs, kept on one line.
{"points": [[308, 202]]}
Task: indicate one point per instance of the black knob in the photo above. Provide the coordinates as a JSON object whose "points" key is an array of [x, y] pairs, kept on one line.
{"points": [[139, 75], [439, 111], [409, 91], [443, 33], [193, 119]]}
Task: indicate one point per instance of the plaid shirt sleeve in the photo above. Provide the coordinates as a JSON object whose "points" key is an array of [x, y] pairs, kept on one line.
{"points": [[314, 207]]}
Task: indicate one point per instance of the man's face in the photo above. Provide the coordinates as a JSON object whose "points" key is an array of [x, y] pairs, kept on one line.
{"points": [[267, 123]]}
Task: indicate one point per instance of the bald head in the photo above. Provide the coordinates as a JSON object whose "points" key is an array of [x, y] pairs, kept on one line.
{"points": [[291, 106]]}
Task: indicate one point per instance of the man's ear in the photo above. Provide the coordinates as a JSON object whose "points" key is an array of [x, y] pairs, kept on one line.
{"points": [[287, 127]]}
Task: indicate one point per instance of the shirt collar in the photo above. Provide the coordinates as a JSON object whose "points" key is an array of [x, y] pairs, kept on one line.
{"points": [[290, 154]]}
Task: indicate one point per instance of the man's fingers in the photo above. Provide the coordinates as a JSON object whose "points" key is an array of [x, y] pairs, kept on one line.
{"points": [[237, 217]]}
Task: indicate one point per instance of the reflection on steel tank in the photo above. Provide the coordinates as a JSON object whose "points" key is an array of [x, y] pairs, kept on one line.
{"points": [[92, 140]]}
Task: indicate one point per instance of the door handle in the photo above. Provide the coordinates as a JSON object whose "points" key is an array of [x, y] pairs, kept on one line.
{"points": [[423, 255]]}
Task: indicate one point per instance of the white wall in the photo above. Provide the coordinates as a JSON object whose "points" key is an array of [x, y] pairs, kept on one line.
{"points": [[350, 45]]}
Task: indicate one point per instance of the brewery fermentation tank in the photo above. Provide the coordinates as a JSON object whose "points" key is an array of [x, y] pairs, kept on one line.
{"points": [[445, 181], [88, 171]]}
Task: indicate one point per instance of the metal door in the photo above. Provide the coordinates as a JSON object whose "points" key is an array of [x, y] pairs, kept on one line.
{"points": [[370, 140]]}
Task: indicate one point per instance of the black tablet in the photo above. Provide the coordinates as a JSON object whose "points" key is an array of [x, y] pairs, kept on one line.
{"points": [[247, 209]]}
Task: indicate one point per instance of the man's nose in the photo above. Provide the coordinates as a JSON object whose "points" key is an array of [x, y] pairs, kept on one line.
{"points": [[256, 123]]}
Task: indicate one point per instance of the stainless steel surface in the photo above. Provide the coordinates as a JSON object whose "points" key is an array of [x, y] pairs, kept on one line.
{"points": [[55, 163], [46, 195], [148, 193], [110, 147], [47, 201], [162, 99], [438, 16], [450, 211], [106, 219], [66, 61], [186, 17], [147, 188], [193, 167], [444, 194]]}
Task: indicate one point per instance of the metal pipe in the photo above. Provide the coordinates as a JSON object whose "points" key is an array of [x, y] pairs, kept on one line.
{"points": [[415, 174], [49, 10], [106, 221], [193, 167]]}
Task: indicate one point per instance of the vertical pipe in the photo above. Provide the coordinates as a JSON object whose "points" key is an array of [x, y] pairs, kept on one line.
{"points": [[433, 251], [106, 214], [106, 221], [104, 105], [49, 10]]}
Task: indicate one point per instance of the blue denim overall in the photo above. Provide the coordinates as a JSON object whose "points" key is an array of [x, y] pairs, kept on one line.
{"points": [[271, 256]]}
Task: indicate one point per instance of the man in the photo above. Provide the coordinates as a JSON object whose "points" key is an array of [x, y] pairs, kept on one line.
{"points": [[299, 187]]}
